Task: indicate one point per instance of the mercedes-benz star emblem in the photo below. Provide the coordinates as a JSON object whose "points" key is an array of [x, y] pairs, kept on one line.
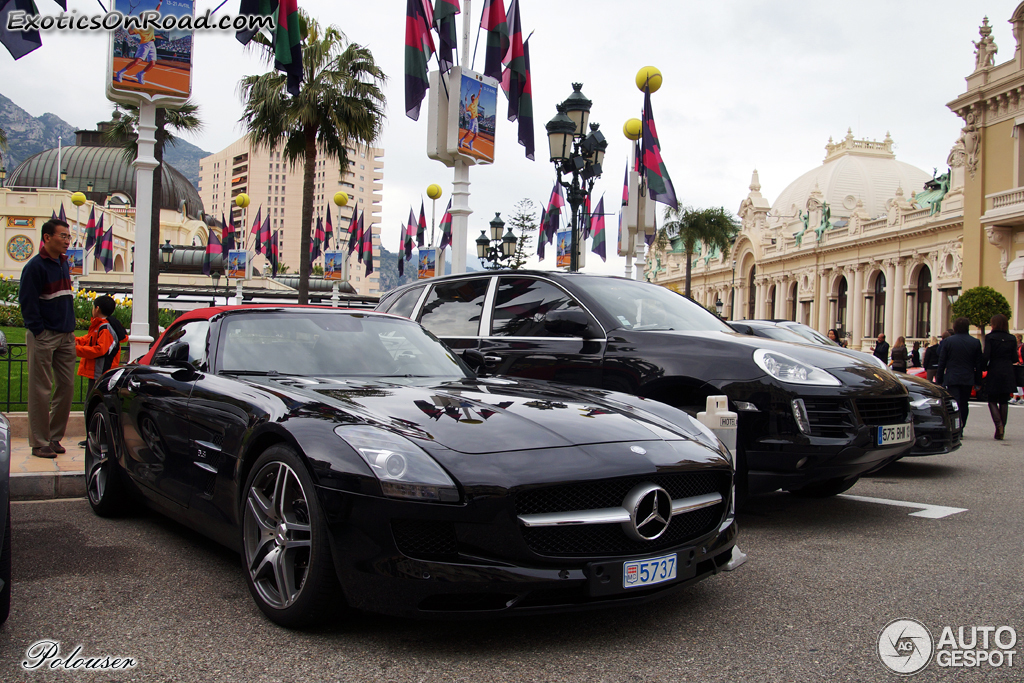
{"points": [[650, 511]]}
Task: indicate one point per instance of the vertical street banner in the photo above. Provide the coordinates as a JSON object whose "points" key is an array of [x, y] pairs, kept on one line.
{"points": [[150, 57], [564, 253], [237, 259], [76, 259], [333, 261], [427, 263]]}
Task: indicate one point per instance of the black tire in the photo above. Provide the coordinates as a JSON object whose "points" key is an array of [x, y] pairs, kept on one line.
{"points": [[104, 485], [825, 489], [286, 553], [5, 570]]}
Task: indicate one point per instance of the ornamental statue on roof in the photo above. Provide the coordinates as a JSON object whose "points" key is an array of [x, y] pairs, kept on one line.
{"points": [[985, 49]]}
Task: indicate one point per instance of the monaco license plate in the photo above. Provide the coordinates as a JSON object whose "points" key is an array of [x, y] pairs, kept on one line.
{"points": [[895, 434], [647, 572]]}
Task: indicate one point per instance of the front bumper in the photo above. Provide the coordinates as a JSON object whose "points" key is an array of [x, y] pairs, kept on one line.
{"points": [[934, 432], [491, 571]]}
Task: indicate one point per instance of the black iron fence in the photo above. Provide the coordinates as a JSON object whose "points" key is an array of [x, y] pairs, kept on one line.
{"points": [[14, 380]]}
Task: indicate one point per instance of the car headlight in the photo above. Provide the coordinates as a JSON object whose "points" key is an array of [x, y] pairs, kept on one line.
{"points": [[790, 370], [403, 468], [925, 402]]}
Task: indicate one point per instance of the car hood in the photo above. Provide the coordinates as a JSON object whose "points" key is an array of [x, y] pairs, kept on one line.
{"points": [[916, 385], [820, 356], [488, 414]]}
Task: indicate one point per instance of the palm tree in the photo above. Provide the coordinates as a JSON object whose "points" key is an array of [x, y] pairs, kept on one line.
{"points": [[340, 102], [124, 132], [711, 227]]}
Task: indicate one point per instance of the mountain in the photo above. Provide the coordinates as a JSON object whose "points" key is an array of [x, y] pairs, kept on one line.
{"points": [[388, 270], [28, 135]]}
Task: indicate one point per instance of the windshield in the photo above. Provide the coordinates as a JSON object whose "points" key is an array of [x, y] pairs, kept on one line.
{"points": [[643, 306], [313, 343], [810, 334], [783, 334]]}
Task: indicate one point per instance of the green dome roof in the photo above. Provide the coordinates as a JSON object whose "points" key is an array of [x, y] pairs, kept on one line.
{"points": [[109, 172]]}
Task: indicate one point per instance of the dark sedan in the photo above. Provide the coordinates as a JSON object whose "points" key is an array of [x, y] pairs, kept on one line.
{"points": [[937, 428], [352, 459], [811, 420]]}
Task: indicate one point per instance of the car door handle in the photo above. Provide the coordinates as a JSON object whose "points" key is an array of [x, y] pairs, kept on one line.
{"points": [[492, 359], [133, 383]]}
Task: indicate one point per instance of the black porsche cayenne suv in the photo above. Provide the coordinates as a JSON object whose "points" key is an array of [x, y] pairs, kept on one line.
{"points": [[811, 420]]}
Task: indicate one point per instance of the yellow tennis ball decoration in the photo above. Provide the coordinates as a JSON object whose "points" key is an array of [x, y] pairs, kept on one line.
{"points": [[649, 76], [434, 191], [78, 198], [242, 200], [632, 129], [341, 198]]}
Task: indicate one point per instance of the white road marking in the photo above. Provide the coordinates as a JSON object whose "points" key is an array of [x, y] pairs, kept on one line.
{"points": [[926, 509]]}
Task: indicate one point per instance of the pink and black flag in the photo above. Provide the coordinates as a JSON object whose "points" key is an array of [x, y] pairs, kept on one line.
{"points": [[213, 248], [493, 21], [625, 186], [273, 253], [265, 234], [555, 204], [90, 229], [354, 236], [228, 234], [410, 234], [367, 231], [653, 166], [105, 249], [401, 248], [61, 215], [421, 228], [446, 228], [586, 217], [328, 231], [256, 229], [542, 236], [419, 45], [597, 231], [317, 241], [515, 81], [447, 36]]}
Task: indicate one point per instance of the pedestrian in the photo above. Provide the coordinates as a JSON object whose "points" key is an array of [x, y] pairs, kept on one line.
{"points": [[881, 351], [999, 356], [47, 307], [960, 359], [833, 336], [100, 347], [931, 358], [1018, 398], [899, 355], [915, 355]]}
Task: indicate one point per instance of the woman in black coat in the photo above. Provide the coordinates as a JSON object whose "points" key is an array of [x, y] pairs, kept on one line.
{"points": [[899, 355], [931, 358], [1000, 383]]}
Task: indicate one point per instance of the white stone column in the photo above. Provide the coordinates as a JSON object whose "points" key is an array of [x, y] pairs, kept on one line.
{"points": [[857, 314], [899, 315], [935, 324], [145, 163], [890, 299], [822, 301], [759, 303]]}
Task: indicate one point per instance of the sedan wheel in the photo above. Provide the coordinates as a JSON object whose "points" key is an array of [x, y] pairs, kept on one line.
{"points": [[284, 538], [103, 483]]}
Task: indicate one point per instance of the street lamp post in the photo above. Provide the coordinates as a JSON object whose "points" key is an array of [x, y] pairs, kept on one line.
{"points": [[496, 250], [578, 153]]}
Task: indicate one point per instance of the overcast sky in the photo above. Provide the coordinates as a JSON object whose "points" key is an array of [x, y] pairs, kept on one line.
{"points": [[747, 84]]}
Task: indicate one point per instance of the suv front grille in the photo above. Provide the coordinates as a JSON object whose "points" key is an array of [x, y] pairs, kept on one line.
{"points": [[609, 539], [883, 411], [830, 418]]}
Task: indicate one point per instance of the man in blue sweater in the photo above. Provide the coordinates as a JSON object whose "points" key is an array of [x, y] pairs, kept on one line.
{"points": [[47, 307]]}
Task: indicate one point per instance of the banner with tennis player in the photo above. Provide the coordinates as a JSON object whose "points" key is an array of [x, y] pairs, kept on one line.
{"points": [[150, 56]]}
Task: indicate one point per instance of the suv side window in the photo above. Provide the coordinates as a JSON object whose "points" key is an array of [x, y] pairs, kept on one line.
{"points": [[453, 309], [195, 333], [404, 303], [522, 303]]}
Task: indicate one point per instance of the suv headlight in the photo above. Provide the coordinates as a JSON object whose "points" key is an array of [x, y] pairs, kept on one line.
{"points": [[925, 402], [403, 468], [790, 370]]}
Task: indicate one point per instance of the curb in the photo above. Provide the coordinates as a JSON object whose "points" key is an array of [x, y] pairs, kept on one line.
{"points": [[44, 486]]}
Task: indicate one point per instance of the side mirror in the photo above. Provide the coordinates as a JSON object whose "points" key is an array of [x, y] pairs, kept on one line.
{"points": [[172, 354], [569, 322], [474, 359]]}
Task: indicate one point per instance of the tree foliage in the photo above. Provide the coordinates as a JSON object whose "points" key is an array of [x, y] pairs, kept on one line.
{"points": [[979, 304], [714, 228], [523, 222], [340, 103]]}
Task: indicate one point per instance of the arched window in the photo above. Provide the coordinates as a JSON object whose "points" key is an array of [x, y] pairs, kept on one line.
{"points": [[772, 294], [924, 302], [751, 294], [879, 305], [841, 306]]}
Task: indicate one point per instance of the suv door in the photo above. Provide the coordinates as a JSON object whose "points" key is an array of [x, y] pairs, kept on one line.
{"points": [[453, 311], [523, 338]]}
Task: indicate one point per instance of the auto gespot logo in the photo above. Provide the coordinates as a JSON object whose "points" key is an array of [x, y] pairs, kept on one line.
{"points": [[905, 646]]}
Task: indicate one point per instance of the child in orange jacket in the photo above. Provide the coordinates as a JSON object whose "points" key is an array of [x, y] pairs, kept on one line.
{"points": [[99, 348]]}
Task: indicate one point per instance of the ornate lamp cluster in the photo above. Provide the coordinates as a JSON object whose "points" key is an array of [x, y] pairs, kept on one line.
{"points": [[497, 250], [577, 153]]}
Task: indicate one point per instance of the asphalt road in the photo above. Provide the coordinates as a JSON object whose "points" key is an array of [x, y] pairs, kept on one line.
{"points": [[824, 577]]}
